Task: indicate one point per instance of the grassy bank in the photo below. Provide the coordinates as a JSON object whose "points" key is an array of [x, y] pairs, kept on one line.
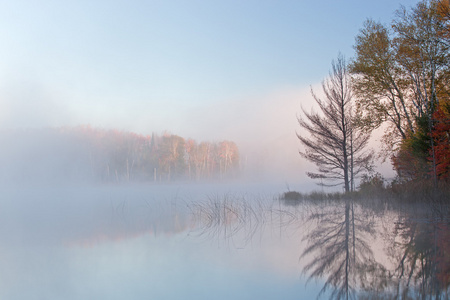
{"points": [[412, 191]]}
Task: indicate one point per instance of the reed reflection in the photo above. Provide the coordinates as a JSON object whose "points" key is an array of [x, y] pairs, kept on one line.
{"points": [[225, 217]]}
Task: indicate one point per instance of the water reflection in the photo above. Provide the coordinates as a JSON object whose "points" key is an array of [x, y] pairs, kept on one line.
{"points": [[224, 217], [359, 249], [419, 246], [338, 247], [412, 244], [85, 216], [138, 242], [174, 244]]}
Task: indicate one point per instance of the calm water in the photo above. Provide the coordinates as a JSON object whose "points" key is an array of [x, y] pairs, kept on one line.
{"points": [[216, 242]]}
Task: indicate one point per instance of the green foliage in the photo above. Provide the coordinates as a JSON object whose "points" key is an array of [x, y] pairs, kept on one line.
{"points": [[420, 142]]}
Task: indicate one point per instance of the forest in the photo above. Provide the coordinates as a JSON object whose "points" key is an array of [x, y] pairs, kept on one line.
{"points": [[84, 153], [397, 82]]}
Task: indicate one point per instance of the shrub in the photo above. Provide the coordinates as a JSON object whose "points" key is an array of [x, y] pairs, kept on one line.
{"points": [[292, 195]]}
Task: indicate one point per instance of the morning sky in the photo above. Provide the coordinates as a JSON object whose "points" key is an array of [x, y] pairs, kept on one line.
{"points": [[209, 70]]}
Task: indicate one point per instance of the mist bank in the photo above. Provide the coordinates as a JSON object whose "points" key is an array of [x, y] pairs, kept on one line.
{"points": [[83, 155], [87, 155]]}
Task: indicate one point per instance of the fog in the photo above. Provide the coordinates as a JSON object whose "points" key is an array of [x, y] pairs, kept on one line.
{"points": [[87, 211], [263, 126], [208, 71]]}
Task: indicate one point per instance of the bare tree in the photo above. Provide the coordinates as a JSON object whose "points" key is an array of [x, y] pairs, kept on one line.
{"points": [[334, 143]]}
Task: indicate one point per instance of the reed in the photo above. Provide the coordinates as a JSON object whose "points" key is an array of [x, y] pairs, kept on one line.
{"points": [[225, 216]]}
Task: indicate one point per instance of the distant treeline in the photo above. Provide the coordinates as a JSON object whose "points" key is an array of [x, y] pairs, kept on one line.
{"points": [[85, 153]]}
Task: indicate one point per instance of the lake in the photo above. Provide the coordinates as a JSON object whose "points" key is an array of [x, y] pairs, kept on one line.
{"points": [[227, 241]]}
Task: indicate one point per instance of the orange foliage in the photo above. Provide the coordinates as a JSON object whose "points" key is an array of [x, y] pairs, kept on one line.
{"points": [[444, 14]]}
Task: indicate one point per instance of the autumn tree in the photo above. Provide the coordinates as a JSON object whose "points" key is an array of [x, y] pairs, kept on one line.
{"points": [[228, 157], [400, 76], [192, 158], [441, 136], [172, 156], [205, 162], [443, 9], [335, 144], [378, 86], [120, 156]]}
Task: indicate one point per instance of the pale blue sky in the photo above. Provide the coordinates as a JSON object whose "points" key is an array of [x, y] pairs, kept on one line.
{"points": [[209, 70]]}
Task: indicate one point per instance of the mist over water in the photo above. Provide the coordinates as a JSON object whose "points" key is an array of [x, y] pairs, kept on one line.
{"points": [[42, 156], [263, 125], [69, 234], [239, 241]]}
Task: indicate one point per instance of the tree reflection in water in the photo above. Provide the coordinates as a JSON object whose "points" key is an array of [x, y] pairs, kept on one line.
{"points": [[362, 250], [414, 264], [420, 250], [338, 248]]}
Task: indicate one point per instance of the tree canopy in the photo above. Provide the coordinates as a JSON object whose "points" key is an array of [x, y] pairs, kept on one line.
{"points": [[401, 77], [398, 80]]}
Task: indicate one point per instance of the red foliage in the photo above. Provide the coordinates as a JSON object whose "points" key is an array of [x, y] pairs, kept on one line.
{"points": [[441, 136]]}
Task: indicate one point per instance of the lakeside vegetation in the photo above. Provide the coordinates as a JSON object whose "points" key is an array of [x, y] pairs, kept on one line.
{"points": [[399, 80], [376, 187]]}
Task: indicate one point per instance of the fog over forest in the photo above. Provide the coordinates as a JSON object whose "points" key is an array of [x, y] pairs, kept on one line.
{"points": [[42, 149], [37, 150], [73, 155]]}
